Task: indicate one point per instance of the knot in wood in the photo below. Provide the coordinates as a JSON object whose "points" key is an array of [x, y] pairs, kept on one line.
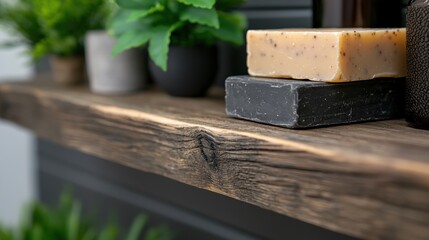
{"points": [[208, 149]]}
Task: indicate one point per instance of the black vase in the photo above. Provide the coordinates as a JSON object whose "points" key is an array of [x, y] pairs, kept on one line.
{"points": [[190, 71], [417, 84]]}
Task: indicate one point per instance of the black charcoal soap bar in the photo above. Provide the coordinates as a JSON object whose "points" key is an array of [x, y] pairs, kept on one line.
{"points": [[305, 104]]}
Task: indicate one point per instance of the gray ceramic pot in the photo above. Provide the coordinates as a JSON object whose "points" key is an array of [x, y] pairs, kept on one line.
{"points": [[122, 74]]}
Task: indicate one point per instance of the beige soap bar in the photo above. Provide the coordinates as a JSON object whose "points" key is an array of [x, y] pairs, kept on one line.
{"points": [[330, 55]]}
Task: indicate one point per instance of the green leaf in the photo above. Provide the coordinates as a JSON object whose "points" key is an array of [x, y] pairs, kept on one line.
{"points": [[136, 14], [231, 28], [136, 4], [90, 234], [42, 216], [173, 6], [66, 22], [201, 16], [36, 232], [137, 227], [159, 233], [159, 43], [73, 222], [68, 222], [199, 3], [118, 24], [131, 40], [20, 20], [131, 4], [109, 233], [6, 234]]}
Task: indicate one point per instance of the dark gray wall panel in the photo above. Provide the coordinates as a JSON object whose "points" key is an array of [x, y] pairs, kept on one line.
{"points": [[264, 19], [103, 200]]}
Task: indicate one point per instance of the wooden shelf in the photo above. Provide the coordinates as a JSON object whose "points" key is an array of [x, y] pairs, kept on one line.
{"points": [[367, 180]]}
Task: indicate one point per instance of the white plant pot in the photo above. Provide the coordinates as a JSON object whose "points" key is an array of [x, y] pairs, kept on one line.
{"points": [[122, 74]]}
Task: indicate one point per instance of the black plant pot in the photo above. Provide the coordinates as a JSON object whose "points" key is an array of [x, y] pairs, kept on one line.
{"points": [[190, 72]]}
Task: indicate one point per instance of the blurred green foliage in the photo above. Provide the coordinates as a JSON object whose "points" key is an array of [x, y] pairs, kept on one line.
{"points": [[160, 23], [21, 21], [66, 222], [53, 26], [65, 24]]}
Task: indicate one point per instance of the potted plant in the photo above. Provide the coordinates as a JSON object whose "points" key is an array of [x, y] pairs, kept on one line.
{"points": [[181, 37], [68, 222], [19, 19], [64, 24], [110, 74]]}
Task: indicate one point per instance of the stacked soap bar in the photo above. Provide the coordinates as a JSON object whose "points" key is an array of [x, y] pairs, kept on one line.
{"points": [[331, 55], [305, 104], [341, 56]]}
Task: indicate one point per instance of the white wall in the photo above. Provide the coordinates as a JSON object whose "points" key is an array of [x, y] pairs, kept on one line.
{"points": [[17, 171]]}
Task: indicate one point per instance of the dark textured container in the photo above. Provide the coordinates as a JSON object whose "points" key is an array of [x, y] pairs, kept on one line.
{"points": [[417, 85], [190, 72], [357, 13]]}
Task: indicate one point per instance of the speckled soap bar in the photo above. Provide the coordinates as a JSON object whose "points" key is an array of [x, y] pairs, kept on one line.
{"points": [[329, 55], [306, 104]]}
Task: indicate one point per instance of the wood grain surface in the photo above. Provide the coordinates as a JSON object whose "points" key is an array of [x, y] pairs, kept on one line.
{"points": [[366, 180]]}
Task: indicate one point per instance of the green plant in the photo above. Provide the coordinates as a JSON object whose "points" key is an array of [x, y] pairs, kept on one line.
{"points": [[67, 223], [160, 23], [65, 24], [21, 21]]}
